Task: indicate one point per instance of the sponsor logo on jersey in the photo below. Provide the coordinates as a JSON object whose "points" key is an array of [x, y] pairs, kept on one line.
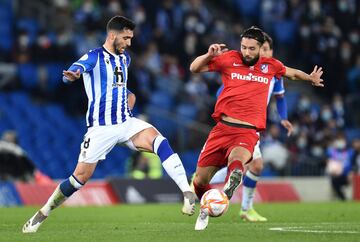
{"points": [[249, 77], [264, 68]]}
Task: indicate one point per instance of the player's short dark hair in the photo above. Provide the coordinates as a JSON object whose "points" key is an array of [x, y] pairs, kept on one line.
{"points": [[269, 40], [254, 33], [120, 23]]}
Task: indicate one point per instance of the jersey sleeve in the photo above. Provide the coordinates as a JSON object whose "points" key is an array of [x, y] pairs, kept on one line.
{"points": [[86, 63], [279, 86], [217, 63], [280, 69]]}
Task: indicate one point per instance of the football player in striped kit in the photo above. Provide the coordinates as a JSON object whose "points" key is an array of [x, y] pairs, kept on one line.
{"points": [[110, 121]]}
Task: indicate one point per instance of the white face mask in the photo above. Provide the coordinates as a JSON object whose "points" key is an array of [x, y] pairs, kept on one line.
{"points": [[339, 144]]}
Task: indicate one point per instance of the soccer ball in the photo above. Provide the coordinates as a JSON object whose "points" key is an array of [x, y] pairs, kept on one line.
{"points": [[214, 202]]}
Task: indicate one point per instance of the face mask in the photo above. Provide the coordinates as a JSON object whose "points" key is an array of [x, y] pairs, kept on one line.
{"points": [[317, 151], [24, 40], [339, 144], [354, 38], [304, 104], [343, 6], [301, 143], [345, 53], [326, 115], [305, 32]]}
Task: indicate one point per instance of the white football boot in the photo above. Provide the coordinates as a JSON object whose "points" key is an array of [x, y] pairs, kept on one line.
{"points": [[189, 203], [32, 225], [202, 220]]}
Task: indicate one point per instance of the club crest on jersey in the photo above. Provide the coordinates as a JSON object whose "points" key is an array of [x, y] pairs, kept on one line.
{"points": [[264, 68], [107, 60]]}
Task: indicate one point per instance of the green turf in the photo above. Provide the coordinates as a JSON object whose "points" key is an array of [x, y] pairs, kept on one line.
{"points": [[317, 222]]}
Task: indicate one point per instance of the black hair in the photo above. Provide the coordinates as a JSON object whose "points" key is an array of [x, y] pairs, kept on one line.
{"points": [[120, 23], [254, 33], [269, 40]]}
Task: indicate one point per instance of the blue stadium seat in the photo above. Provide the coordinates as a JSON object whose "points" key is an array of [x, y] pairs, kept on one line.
{"points": [[189, 159], [30, 25], [352, 134], [54, 71], [186, 111], [28, 75], [162, 100]]}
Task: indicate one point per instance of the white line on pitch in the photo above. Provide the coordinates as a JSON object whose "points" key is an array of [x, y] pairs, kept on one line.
{"points": [[303, 230]]}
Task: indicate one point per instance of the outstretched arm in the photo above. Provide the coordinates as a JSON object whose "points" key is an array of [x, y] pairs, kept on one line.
{"points": [[282, 110], [200, 64], [314, 77]]}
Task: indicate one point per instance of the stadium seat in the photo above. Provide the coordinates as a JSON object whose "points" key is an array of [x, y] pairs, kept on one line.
{"points": [[352, 134], [30, 25], [28, 75], [186, 111], [162, 100], [189, 159]]}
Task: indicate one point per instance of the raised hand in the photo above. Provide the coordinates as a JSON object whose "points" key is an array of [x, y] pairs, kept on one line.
{"points": [[72, 76], [217, 49], [288, 126], [316, 77]]}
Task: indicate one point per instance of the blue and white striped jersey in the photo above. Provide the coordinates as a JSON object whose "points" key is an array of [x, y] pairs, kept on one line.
{"points": [[105, 77]]}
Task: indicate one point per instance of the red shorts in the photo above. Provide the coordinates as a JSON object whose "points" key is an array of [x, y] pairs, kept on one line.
{"points": [[221, 140]]}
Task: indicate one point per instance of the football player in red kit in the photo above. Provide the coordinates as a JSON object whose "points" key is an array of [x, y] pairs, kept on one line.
{"points": [[240, 110]]}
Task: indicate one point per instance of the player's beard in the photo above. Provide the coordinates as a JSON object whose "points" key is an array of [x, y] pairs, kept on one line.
{"points": [[250, 62], [116, 45]]}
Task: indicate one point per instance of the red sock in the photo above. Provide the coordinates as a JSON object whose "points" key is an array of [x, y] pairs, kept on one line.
{"points": [[200, 190], [236, 164]]}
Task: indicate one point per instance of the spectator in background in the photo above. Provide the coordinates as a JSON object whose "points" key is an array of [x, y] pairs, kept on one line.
{"points": [[339, 165], [145, 165], [15, 165], [355, 159]]}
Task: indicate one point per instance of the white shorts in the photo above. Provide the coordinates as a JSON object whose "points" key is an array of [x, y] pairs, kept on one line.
{"points": [[99, 140], [257, 152]]}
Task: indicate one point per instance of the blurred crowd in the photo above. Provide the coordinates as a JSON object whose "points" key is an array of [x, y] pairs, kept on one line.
{"points": [[171, 33]]}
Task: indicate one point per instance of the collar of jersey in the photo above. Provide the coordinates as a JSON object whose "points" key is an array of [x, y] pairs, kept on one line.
{"points": [[110, 52]]}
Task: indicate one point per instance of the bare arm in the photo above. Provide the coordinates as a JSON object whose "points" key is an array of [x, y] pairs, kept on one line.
{"points": [[200, 64], [131, 100], [314, 77]]}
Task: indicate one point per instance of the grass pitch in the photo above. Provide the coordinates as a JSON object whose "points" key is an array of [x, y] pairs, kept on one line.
{"points": [[287, 222]]}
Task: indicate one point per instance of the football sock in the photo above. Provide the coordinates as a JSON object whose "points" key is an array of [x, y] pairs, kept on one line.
{"points": [[171, 163], [249, 184], [61, 193], [200, 190], [236, 164]]}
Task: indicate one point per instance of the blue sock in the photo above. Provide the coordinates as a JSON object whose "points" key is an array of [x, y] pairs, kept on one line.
{"points": [[171, 162], [70, 185]]}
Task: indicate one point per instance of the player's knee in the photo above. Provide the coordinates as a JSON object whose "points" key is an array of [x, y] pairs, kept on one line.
{"points": [[83, 175], [201, 180]]}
